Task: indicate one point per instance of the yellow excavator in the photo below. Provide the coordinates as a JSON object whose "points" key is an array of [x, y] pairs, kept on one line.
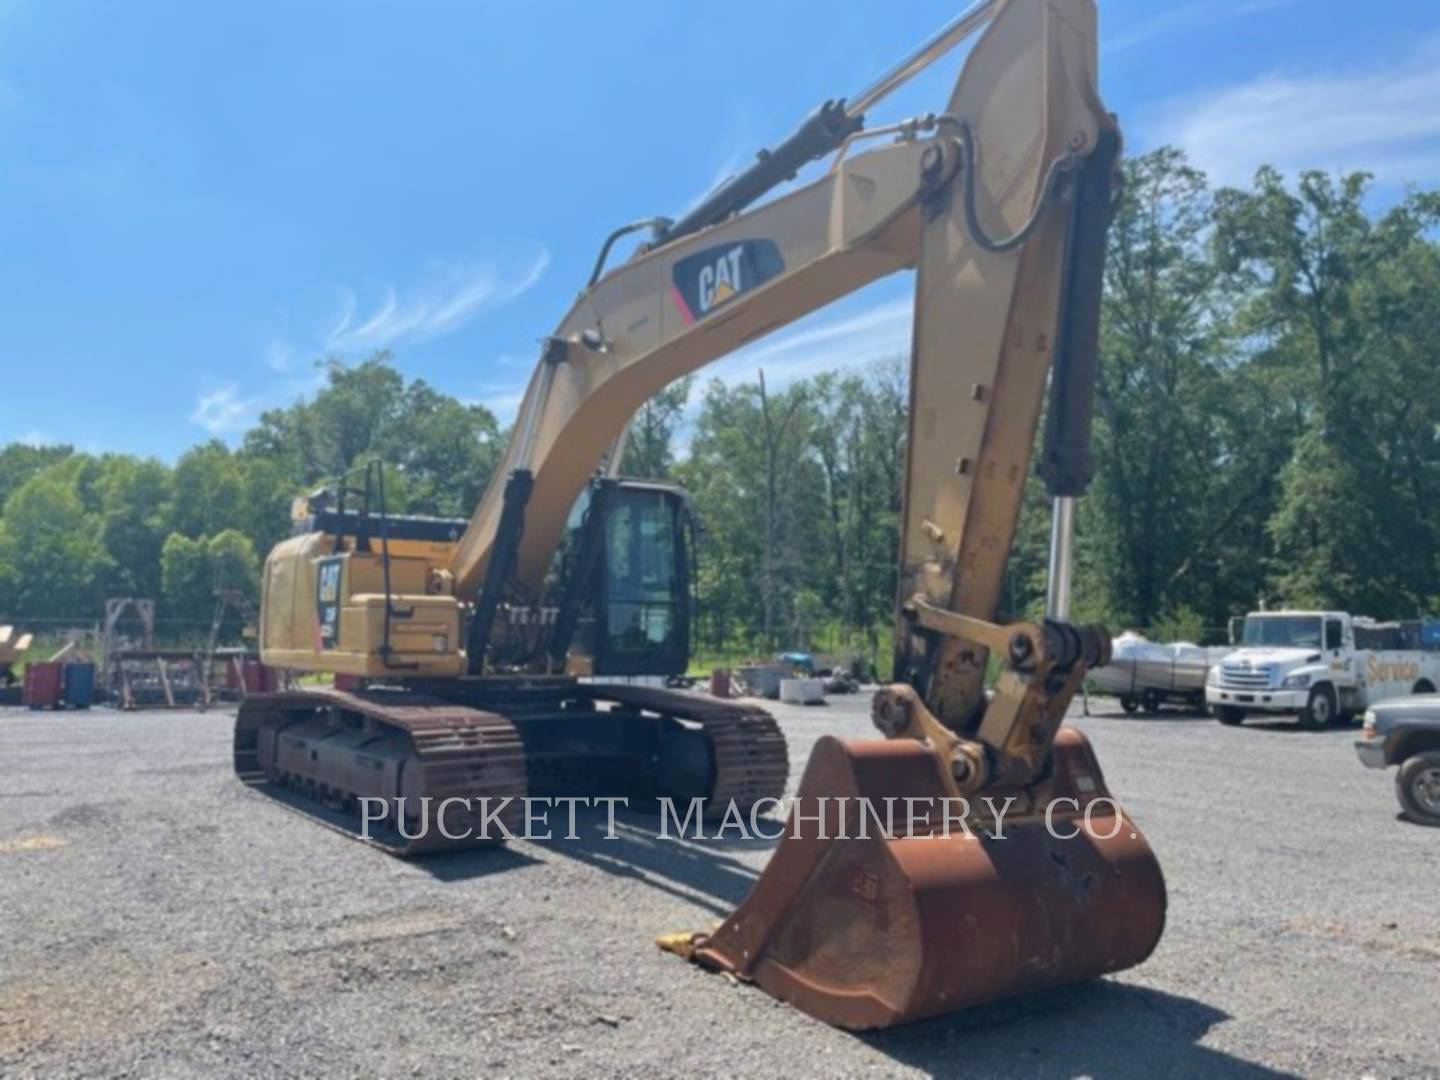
{"points": [[461, 649]]}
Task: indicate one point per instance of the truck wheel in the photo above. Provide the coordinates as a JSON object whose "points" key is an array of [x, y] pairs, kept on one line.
{"points": [[1424, 686], [1129, 702], [1229, 715], [1320, 710], [1151, 701], [1418, 787]]}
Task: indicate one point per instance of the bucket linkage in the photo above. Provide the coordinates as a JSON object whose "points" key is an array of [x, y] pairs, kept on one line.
{"points": [[935, 870]]}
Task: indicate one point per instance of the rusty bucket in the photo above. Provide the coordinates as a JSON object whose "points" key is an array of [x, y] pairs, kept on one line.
{"points": [[865, 928]]}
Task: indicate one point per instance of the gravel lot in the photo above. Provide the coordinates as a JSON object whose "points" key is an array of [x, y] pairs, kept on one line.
{"points": [[158, 919]]}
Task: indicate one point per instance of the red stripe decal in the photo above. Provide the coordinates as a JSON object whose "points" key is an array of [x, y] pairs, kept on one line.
{"points": [[680, 303]]}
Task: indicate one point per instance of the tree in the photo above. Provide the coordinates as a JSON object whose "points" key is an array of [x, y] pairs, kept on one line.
{"points": [[447, 449], [755, 484], [1332, 303], [1161, 347], [186, 577], [194, 569], [20, 461], [209, 491], [650, 444], [54, 562], [135, 506]]}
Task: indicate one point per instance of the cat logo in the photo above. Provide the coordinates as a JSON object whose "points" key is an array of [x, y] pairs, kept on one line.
{"points": [[709, 279]]}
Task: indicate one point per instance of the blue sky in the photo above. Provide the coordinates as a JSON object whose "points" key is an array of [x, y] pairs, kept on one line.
{"points": [[198, 199]]}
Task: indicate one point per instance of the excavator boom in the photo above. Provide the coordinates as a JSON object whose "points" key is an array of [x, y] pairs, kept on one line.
{"points": [[1027, 98]]}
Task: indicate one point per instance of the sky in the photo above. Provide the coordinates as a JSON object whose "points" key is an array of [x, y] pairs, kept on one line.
{"points": [[199, 199]]}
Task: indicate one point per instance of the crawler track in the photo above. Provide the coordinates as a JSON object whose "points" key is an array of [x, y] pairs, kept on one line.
{"points": [[322, 750], [751, 761]]}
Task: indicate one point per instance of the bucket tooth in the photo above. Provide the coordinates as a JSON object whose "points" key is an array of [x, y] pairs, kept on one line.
{"points": [[870, 931]]}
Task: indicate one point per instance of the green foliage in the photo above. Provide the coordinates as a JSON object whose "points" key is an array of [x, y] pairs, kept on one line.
{"points": [[1179, 624], [447, 449], [1343, 305], [51, 555], [650, 445], [798, 493], [20, 461], [1266, 428], [186, 578], [78, 528], [193, 570]]}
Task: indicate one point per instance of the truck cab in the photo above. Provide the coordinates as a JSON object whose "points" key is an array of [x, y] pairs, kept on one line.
{"points": [[1322, 666]]}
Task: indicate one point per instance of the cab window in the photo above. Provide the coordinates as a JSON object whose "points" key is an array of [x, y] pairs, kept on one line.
{"points": [[643, 620]]}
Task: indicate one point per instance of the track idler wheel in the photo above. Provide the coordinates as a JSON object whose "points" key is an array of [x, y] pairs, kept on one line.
{"points": [[867, 931]]}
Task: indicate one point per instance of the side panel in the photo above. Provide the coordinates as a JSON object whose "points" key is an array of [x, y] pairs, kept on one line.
{"points": [[326, 611]]}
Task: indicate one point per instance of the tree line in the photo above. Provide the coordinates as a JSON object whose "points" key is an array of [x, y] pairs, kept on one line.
{"points": [[1267, 431], [77, 528]]}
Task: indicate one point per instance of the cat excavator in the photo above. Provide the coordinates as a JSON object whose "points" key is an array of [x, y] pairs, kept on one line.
{"points": [[461, 649]]}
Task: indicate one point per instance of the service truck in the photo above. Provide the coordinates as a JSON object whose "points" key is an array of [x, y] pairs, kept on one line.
{"points": [[1322, 666]]}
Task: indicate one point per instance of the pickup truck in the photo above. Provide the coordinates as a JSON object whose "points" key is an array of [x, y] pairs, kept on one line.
{"points": [[1406, 732], [1322, 666]]}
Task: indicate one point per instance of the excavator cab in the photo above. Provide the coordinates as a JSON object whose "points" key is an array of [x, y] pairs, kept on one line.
{"points": [[627, 596]]}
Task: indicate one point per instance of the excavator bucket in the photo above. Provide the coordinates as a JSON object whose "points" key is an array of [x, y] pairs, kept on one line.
{"points": [[865, 928]]}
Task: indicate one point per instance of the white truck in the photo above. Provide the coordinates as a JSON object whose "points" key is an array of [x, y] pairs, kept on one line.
{"points": [[1322, 666]]}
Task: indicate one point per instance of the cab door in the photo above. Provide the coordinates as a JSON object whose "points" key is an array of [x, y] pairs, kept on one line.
{"points": [[642, 607]]}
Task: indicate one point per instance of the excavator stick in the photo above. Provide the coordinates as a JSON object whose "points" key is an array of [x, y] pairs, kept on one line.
{"points": [[864, 930], [976, 854]]}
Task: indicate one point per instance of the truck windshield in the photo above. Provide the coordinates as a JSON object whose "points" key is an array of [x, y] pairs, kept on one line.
{"points": [[1282, 631]]}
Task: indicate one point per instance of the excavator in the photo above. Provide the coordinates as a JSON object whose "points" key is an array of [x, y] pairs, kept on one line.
{"points": [[471, 657]]}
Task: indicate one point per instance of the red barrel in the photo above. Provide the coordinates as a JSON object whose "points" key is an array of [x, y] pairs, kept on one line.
{"points": [[258, 679], [44, 685], [720, 682]]}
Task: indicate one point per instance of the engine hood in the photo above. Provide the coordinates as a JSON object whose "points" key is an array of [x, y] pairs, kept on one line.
{"points": [[1281, 658], [1416, 707]]}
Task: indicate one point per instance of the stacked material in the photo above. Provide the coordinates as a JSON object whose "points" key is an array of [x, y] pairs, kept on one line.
{"points": [[802, 691], [763, 680], [1149, 672]]}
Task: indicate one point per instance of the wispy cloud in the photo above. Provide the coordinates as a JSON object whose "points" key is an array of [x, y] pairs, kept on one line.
{"points": [[501, 398], [280, 355], [442, 300], [825, 342], [445, 298], [1384, 119], [35, 438], [223, 410], [1163, 20]]}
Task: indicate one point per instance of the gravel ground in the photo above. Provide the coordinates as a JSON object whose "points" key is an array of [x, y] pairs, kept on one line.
{"points": [[158, 919]]}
